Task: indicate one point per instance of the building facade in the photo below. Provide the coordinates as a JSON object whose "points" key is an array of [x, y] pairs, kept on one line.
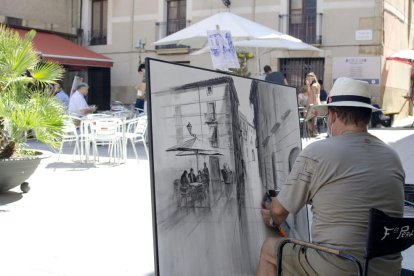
{"points": [[355, 37], [59, 38]]}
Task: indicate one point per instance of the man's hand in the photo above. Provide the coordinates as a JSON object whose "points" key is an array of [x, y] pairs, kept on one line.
{"points": [[92, 108], [266, 217], [273, 210]]}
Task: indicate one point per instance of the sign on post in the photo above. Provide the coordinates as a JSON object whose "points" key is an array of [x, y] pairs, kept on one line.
{"points": [[223, 54]]}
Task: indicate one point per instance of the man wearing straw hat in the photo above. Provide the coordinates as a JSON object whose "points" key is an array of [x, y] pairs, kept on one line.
{"points": [[341, 178]]}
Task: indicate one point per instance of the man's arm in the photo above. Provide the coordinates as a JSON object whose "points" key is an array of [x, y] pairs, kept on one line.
{"points": [[276, 211], [88, 110]]}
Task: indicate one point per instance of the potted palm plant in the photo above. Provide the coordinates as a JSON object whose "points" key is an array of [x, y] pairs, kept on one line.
{"points": [[27, 105]]}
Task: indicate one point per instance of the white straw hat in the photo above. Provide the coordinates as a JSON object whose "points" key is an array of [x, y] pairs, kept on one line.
{"points": [[347, 92]]}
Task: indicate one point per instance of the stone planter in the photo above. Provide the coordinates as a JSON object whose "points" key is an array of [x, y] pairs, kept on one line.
{"points": [[15, 171]]}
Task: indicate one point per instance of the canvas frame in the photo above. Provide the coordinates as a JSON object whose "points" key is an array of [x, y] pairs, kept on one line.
{"points": [[214, 79]]}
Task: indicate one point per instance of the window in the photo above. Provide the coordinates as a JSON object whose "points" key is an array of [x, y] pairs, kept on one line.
{"points": [[296, 69], [211, 112], [302, 20], [213, 136], [99, 22], [176, 15]]}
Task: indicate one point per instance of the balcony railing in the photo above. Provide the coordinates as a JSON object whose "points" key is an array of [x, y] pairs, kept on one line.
{"points": [[166, 28], [97, 38], [308, 28]]}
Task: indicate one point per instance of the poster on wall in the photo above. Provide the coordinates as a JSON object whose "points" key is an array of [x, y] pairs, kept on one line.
{"points": [[218, 143], [360, 68]]}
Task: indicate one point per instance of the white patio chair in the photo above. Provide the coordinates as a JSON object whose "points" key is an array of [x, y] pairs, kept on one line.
{"points": [[136, 132], [139, 112], [70, 135], [105, 131], [97, 116], [125, 114]]}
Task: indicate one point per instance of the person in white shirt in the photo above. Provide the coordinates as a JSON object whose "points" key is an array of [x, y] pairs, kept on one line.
{"points": [[77, 103]]}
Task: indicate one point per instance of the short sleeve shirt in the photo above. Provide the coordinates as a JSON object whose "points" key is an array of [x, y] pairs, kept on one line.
{"points": [[63, 98], [77, 103], [342, 178]]}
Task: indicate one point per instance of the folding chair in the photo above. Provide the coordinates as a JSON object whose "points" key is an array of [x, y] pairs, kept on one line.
{"points": [[386, 235]]}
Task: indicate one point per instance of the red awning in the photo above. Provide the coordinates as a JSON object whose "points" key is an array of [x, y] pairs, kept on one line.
{"points": [[404, 56], [65, 52]]}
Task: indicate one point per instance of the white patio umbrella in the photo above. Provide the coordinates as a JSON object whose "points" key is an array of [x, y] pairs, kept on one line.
{"points": [[194, 146], [241, 28], [275, 44], [268, 44]]}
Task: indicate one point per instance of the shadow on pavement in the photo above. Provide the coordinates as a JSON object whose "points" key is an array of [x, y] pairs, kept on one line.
{"points": [[70, 165], [9, 197]]}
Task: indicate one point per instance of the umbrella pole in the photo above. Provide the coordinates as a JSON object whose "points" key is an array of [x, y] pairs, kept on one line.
{"points": [[197, 160]]}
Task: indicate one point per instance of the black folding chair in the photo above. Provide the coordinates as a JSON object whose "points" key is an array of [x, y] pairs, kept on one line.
{"points": [[386, 235]]}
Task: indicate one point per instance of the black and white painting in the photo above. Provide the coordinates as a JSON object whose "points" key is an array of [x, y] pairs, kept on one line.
{"points": [[219, 142]]}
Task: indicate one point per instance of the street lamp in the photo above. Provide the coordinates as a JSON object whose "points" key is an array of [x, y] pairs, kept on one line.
{"points": [[189, 128]]}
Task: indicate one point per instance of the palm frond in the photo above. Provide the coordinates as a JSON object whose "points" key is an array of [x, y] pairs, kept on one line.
{"points": [[47, 72], [25, 99]]}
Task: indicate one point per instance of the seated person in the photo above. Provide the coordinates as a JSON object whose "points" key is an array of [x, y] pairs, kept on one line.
{"points": [[323, 96], [379, 119], [342, 178], [303, 99], [61, 96], [199, 176], [77, 103]]}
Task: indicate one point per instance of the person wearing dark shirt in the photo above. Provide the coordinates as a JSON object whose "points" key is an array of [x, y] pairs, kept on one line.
{"points": [[275, 77], [323, 95], [191, 176]]}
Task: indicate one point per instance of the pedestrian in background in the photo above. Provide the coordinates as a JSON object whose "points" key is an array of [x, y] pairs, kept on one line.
{"points": [[141, 89], [314, 99], [275, 77]]}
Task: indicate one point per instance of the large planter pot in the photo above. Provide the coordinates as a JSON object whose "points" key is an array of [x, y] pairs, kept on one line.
{"points": [[15, 171]]}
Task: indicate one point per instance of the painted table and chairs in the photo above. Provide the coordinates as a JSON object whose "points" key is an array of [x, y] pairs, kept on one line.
{"points": [[111, 129]]}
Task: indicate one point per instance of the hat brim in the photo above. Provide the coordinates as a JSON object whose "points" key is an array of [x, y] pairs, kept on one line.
{"points": [[322, 109]]}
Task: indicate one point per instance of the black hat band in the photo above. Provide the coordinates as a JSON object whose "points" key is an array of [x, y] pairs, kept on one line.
{"points": [[349, 98]]}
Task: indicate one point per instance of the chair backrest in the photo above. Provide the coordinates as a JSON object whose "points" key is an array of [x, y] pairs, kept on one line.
{"points": [[137, 125], [388, 235], [69, 132], [105, 128], [98, 116], [123, 114]]}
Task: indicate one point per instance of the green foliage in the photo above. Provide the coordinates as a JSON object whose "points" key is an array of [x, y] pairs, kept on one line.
{"points": [[243, 70], [26, 104]]}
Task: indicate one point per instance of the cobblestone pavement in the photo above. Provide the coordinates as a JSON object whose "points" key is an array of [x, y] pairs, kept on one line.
{"points": [[95, 219]]}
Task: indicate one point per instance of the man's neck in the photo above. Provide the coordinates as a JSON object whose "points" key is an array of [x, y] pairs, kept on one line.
{"points": [[351, 128]]}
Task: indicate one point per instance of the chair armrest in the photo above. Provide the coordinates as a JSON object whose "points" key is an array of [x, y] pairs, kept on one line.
{"points": [[317, 247]]}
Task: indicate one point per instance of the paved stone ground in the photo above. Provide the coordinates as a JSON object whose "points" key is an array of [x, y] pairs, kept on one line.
{"points": [[79, 219], [95, 219]]}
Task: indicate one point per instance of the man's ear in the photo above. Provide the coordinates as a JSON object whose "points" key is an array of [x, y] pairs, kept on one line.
{"points": [[332, 117]]}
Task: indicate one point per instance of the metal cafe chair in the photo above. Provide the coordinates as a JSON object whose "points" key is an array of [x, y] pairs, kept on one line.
{"points": [[136, 132], [70, 134], [105, 131], [386, 235]]}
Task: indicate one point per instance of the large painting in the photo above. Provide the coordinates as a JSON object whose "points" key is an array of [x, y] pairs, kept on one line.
{"points": [[218, 143]]}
